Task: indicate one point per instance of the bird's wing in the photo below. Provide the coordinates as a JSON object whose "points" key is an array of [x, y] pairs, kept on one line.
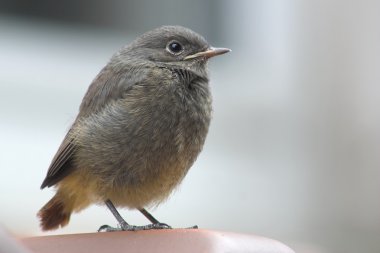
{"points": [[111, 85], [61, 165], [107, 86]]}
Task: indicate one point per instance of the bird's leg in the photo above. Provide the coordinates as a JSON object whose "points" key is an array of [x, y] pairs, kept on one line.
{"points": [[149, 216], [116, 214], [156, 222], [124, 226]]}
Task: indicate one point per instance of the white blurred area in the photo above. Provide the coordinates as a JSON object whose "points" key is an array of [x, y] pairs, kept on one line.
{"points": [[293, 152]]}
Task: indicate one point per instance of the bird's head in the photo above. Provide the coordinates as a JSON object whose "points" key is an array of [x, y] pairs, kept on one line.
{"points": [[174, 46]]}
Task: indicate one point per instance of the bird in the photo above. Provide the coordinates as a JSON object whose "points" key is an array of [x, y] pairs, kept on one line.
{"points": [[140, 127]]}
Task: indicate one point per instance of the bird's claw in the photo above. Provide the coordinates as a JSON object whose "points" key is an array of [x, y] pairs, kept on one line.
{"points": [[127, 227]]}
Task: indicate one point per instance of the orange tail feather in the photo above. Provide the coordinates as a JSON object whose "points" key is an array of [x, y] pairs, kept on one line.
{"points": [[54, 214]]}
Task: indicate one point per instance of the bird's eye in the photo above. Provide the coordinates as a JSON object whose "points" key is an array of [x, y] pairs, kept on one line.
{"points": [[174, 47]]}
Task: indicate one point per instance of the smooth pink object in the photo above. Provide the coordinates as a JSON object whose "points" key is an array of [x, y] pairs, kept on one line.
{"points": [[175, 240]]}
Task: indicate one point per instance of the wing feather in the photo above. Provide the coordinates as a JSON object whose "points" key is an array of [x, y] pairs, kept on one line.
{"points": [[107, 86]]}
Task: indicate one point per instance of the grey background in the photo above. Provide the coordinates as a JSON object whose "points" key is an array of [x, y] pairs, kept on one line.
{"points": [[293, 151]]}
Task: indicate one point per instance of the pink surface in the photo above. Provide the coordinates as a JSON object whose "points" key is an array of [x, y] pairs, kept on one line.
{"points": [[176, 240]]}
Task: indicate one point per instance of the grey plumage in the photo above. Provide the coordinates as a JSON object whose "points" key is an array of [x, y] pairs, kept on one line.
{"points": [[140, 127]]}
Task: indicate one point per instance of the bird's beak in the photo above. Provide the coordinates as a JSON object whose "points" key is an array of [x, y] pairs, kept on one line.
{"points": [[210, 52]]}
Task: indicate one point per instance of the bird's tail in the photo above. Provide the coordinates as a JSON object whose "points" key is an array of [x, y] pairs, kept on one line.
{"points": [[56, 213]]}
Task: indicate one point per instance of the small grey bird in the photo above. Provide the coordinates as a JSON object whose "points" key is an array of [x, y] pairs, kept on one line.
{"points": [[140, 127]]}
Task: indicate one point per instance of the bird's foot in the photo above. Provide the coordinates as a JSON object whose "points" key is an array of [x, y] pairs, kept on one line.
{"points": [[108, 228], [127, 227], [147, 227]]}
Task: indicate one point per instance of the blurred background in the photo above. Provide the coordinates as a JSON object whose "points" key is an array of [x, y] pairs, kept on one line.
{"points": [[293, 152]]}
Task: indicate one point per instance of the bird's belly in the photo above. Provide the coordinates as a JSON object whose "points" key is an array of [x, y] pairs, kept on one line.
{"points": [[151, 190], [140, 178]]}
